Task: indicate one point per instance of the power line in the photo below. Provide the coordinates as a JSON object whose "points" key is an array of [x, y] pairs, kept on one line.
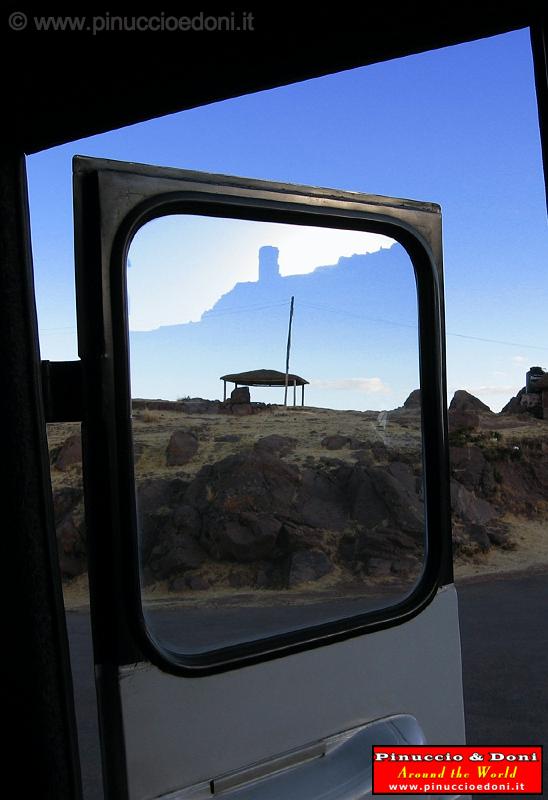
{"points": [[497, 341], [358, 316], [317, 307], [409, 325]]}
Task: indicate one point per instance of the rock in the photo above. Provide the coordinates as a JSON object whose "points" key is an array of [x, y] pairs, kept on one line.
{"points": [[70, 453], [408, 566], [532, 404], [414, 400], [186, 519], [250, 537], [472, 510], [386, 543], [365, 505], [263, 580], [380, 452], [71, 546], [192, 405], [460, 540], [168, 542], [401, 506], [138, 404], [462, 420], [238, 579], [404, 474], [70, 531], [245, 481], [169, 529], [276, 444], [384, 550], [253, 508], [308, 565], [327, 461], [470, 468], [240, 395], [379, 567], [65, 501], [198, 405], [182, 447], [335, 442], [513, 406], [346, 550], [178, 584], [295, 537], [271, 575], [464, 401], [470, 538], [197, 583], [152, 493], [522, 481], [228, 437], [363, 456], [174, 554], [498, 536], [321, 502], [242, 409], [478, 534], [53, 453]]}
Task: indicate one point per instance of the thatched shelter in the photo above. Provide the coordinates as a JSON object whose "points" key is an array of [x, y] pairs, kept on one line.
{"points": [[266, 377]]}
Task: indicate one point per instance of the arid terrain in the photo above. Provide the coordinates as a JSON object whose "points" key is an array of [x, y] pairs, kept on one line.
{"points": [[246, 503]]}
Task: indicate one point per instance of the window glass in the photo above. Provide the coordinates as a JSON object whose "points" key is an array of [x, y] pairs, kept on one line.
{"points": [[265, 507]]}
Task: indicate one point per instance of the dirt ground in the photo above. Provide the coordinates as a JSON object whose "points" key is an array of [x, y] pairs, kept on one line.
{"points": [[308, 426]]}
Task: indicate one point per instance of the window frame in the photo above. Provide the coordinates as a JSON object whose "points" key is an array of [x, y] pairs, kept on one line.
{"points": [[112, 201]]}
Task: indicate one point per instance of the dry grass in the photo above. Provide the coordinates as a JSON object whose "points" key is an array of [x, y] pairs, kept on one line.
{"points": [[530, 537], [308, 426]]}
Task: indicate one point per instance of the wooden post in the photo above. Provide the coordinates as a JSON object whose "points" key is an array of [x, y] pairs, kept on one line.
{"points": [[224, 397], [288, 349], [302, 396]]}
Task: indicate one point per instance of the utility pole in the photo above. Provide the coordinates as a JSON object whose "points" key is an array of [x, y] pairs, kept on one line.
{"points": [[288, 349]]}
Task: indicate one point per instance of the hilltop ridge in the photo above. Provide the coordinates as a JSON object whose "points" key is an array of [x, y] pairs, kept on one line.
{"points": [[343, 507]]}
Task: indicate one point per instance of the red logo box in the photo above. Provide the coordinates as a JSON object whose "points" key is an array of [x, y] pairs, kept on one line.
{"points": [[423, 769]]}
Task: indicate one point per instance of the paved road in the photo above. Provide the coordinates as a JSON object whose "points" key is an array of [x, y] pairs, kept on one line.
{"points": [[504, 635]]}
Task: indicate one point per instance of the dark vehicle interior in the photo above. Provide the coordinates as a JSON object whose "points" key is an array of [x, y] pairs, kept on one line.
{"points": [[63, 87]]}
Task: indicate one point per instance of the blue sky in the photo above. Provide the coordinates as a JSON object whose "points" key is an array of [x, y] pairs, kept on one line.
{"points": [[457, 126], [354, 332], [181, 265]]}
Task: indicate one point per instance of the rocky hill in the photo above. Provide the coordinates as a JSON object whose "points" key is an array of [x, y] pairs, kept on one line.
{"points": [[241, 496]]}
